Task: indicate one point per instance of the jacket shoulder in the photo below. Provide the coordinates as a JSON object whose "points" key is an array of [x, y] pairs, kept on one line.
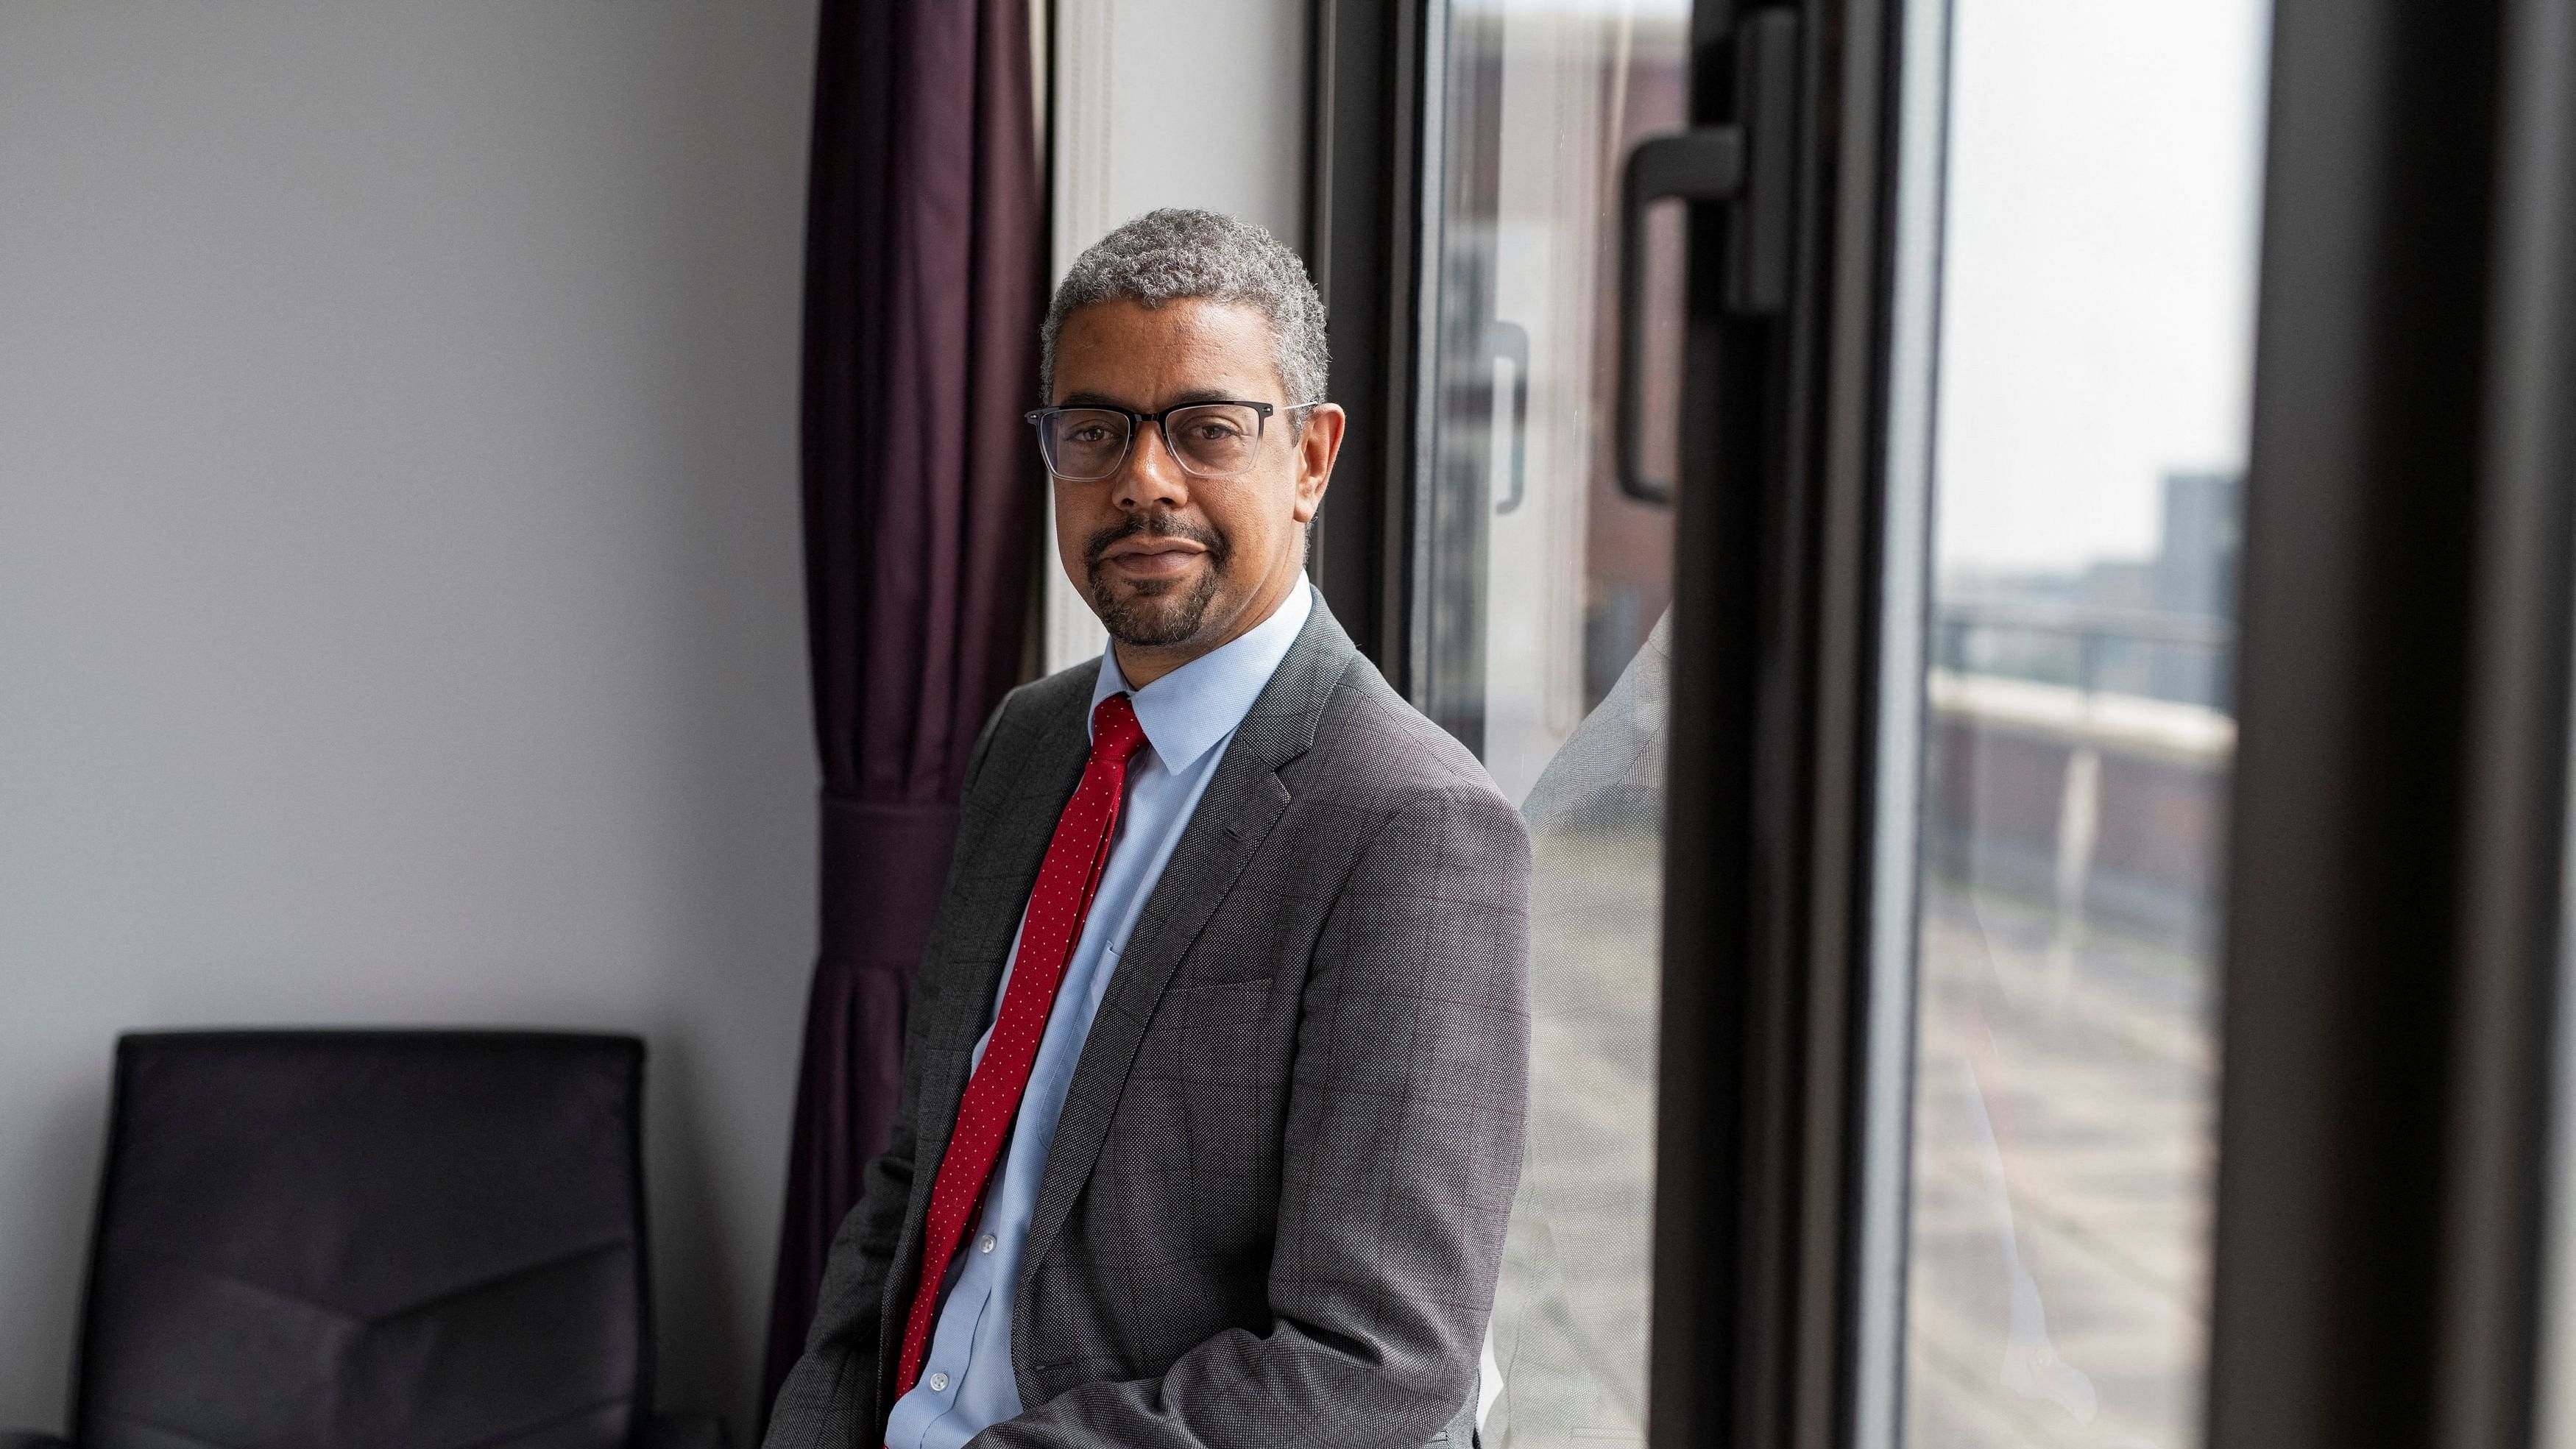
{"points": [[1374, 748], [1042, 704]]}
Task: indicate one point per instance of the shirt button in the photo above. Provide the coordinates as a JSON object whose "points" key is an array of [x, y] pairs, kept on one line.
{"points": [[939, 1383], [988, 1245]]}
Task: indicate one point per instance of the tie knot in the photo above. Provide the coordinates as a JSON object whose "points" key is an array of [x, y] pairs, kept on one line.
{"points": [[1115, 732]]}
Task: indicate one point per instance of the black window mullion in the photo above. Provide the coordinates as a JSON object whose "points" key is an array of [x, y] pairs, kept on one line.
{"points": [[2403, 734], [1365, 179]]}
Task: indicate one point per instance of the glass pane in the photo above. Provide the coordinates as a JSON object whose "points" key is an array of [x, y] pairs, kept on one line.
{"points": [[1541, 592], [2095, 301]]}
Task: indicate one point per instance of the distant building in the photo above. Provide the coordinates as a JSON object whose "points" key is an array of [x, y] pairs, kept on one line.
{"points": [[2110, 623], [2195, 563]]}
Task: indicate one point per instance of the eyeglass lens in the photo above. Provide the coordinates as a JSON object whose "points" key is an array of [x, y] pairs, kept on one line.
{"points": [[1213, 440]]}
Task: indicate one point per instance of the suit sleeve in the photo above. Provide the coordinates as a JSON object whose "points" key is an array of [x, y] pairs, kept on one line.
{"points": [[830, 1396], [1403, 1145]]}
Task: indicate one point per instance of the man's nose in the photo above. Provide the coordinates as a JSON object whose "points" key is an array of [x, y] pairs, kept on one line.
{"points": [[1153, 478]]}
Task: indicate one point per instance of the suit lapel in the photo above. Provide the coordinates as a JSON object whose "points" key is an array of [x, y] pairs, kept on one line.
{"points": [[1243, 801], [997, 867], [1001, 842]]}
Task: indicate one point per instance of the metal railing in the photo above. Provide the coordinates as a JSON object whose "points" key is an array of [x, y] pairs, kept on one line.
{"points": [[2157, 654], [2100, 712]]}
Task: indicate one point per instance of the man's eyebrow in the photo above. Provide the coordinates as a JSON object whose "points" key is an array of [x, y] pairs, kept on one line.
{"points": [[1205, 395], [1179, 400]]}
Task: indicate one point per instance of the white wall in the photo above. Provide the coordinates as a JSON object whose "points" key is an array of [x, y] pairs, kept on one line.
{"points": [[1172, 103], [400, 617]]}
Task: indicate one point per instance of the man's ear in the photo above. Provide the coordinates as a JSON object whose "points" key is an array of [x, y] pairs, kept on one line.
{"points": [[1319, 442]]}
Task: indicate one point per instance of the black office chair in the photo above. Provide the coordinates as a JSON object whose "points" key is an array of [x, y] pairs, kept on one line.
{"points": [[354, 1239]]}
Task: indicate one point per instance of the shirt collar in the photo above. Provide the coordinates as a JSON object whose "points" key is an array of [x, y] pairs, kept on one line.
{"points": [[1186, 712]]}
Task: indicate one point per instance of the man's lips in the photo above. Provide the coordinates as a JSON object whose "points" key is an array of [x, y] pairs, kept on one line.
{"points": [[1152, 558]]}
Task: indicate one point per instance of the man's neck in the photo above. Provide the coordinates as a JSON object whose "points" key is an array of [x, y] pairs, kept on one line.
{"points": [[1141, 665]]}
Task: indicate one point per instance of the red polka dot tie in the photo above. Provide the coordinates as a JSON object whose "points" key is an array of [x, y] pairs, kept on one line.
{"points": [[1066, 882]]}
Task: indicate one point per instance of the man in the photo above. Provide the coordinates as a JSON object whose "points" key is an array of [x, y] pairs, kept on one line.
{"points": [[1214, 1076]]}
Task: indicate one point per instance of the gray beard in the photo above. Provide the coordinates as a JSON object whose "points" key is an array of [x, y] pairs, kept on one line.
{"points": [[1153, 617]]}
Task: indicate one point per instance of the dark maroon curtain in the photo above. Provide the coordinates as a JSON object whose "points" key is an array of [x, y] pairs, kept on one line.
{"points": [[924, 280]]}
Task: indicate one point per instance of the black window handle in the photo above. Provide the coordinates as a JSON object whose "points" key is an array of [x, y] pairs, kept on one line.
{"points": [[1748, 165], [1705, 163]]}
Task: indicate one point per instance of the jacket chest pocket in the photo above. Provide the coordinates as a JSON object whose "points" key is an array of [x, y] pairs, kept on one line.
{"points": [[1216, 1035]]}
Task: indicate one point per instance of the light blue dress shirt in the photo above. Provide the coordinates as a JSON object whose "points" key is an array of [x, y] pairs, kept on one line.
{"points": [[1188, 715]]}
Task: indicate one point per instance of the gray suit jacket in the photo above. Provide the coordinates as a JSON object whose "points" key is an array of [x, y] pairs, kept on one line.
{"points": [[1273, 1212]]}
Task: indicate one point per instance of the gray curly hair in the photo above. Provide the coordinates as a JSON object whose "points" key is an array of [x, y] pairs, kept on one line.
{"points": [[1176, 253]]}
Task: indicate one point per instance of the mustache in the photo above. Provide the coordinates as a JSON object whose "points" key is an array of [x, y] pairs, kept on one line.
{"points": [[1158, 525]]}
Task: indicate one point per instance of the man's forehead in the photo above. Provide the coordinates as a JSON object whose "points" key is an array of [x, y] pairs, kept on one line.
{"points": [[1190, 346]]}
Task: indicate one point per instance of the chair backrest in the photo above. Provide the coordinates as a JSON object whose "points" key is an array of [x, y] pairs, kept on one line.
{"points": [[344, 1238]]}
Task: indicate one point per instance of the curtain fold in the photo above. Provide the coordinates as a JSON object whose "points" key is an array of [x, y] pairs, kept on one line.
{"points": [[924, 281]]}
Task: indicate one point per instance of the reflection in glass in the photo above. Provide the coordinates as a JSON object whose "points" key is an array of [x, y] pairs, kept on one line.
{"points": [[2095, 301], [1540, 589]]}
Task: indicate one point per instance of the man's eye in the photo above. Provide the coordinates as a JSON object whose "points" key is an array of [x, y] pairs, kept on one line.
{"points": [[1088, 433], [1214, 432]]}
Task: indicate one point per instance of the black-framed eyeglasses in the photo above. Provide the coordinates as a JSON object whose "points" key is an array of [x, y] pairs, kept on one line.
{"points": [[1216, 439]]}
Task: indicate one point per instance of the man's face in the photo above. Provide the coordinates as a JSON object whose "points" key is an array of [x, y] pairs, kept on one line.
{"points": [[1173, 563]]}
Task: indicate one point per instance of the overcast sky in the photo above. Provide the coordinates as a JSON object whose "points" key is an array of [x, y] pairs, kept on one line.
{"points": [[2102, 208]]}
